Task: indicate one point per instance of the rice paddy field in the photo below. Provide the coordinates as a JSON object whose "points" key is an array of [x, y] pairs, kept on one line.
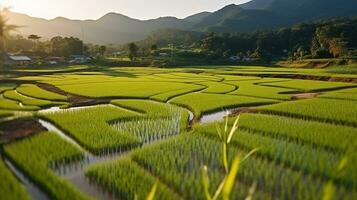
{"points": [[113, 133]]}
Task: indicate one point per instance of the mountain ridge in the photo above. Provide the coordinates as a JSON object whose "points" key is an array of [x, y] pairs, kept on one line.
{"points": [[254, 15]]}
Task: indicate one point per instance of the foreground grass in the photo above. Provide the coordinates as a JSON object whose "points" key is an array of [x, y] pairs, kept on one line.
{"points": [[10, 187], [34, 155]]}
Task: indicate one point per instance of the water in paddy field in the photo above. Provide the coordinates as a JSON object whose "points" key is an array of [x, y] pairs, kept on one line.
{"points": [[31, 188], [215, 117], [146, 129]]}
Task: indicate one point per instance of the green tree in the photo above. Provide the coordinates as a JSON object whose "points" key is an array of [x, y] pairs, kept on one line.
{"points": [[133, 51], [102, 49], [337, 47], [5, 29]]}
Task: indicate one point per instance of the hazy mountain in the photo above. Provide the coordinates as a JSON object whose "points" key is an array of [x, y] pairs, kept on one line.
{"points": [[197, 18], [254, 15], [111, 28], [234, 18]]}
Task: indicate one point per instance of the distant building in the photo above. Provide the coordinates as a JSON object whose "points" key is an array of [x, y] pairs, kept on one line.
{"points": [[234, 58], [55, 60], [163, 54], [17, 60], [79, 59]]}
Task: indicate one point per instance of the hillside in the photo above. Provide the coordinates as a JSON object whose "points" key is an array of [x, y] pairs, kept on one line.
{"points": [[251, 16]]}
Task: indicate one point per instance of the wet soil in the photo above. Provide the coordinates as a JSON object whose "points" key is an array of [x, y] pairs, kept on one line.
{"points": [[304, 96], [19, 128], [74, 100]]}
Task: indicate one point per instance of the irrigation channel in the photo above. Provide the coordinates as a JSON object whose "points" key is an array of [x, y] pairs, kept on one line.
{"points": [[75, 171]]}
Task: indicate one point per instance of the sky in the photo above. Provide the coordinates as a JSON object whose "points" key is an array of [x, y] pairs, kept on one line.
{"points": [[94, 9]]}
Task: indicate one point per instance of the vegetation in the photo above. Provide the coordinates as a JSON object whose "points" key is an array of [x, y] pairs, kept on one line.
{"points": [[90, 128], [35, 154], [10, 187]]}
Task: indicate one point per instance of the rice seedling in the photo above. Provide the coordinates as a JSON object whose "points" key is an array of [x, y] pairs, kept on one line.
{"points": [[10, 187], [164, 97], [346, 94], [114, 177], [326, 110], [306, 158], [217, 87], [34, 156], [178, 163], [202, 103], [14, 95], [38, 93], [322, 135], [309, 85], [148, 130], [6, 104], [90, 127]]}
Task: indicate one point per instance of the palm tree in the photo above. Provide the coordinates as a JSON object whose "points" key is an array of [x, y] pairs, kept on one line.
{"points": [[5, 29]]}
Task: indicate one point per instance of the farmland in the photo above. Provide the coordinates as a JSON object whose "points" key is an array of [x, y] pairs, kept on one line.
{"points": [[115, 132]]}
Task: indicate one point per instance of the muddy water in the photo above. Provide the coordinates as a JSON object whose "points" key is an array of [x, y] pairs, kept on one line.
{"points": [[31, 188]]}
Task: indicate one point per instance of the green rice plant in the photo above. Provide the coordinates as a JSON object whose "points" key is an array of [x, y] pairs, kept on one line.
{"points": [[217, 87], [225, 187], [10, 187], [90, 127], [202, 103], [6, 86], [309, 85], [154, 109], [148, 130], [326, 110], [34, 155], [164, 97], [306, 158], [5, 113], [178, 162], [127, 180], [38, 93], [346, 94], [253, 89], [133, 89], [6, 104], [323, 135], [14, 95]]}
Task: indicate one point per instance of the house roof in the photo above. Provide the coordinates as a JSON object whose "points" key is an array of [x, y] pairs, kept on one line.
{"points": [[20, 58]]}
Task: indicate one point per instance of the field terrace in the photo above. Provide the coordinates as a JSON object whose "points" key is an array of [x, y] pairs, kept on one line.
{"points": [[148, 121]]}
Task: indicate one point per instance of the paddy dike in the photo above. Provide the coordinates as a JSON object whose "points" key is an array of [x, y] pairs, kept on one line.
{"points": [[74, 100], [19, 128], [300, 76]]}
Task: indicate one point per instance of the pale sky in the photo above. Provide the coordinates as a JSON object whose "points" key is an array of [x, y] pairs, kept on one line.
{"points": [[93, 9]]}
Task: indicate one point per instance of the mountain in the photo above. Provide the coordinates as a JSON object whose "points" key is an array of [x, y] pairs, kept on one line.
{"points": [[111, 28], [251, 16], [197, 18], [234, 18]]}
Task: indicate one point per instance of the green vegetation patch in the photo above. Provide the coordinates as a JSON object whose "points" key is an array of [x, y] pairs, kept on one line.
{"points": [[36, 92], [310, 132], [123, 89], [203, 103], [328, 110], [14, 95], [10, 187], [90, 127], [309, 85], [34, 155], [127, 180], [7, 104], [218, 87], [346, 94]]}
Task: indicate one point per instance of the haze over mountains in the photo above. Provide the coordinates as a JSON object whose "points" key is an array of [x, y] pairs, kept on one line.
{"points": [[255, 15]]}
